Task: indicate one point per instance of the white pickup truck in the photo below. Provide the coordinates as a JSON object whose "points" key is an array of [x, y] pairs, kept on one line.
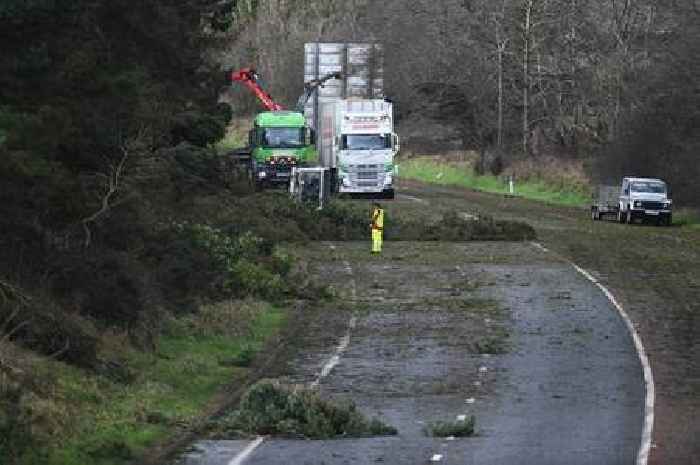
{"points": [[638, 198]]}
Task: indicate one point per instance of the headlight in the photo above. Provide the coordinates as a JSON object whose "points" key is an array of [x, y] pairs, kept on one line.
{"points": [[262, 174], [637, 204], [667, 205]]}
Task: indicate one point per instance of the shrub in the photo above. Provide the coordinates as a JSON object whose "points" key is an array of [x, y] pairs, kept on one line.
{"points": [[227, 265], [272, 408], [105, 285], [458, 428], [45, 327], [15, 423]]}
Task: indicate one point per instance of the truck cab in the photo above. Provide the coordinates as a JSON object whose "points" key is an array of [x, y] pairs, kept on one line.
{"points": [[644, 198], [279, 141], [357, 142]]}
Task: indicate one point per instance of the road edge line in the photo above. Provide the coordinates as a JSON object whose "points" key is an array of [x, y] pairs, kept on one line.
{"points": [[650, 390], [648, 427], [245, 453]]}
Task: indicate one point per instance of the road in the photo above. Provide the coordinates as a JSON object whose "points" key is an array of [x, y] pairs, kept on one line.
{"points": [[654, 272], [508, 332]]}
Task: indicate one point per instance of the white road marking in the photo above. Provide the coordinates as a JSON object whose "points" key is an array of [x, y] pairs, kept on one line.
{"points": [[461, 418], [345, 340], [471, 400], [648, 427], [468, 216], [539, 246], [335, 358], [436, 458], [245, 453], [325, 371], [483, 369]]}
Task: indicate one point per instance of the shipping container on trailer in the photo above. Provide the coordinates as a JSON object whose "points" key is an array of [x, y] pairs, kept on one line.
{"points": [[360, 64]]}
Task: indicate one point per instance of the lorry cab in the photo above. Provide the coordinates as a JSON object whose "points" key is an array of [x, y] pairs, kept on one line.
{"points": [[357, 142], [644, 198], [279, 141]]}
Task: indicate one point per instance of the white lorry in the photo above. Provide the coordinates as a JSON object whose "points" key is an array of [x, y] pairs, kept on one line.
{"points": [[357, 143], [643, 198]]}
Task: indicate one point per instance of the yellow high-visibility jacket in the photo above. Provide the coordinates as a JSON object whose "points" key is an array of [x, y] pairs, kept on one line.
{"points": [[378, 219]]}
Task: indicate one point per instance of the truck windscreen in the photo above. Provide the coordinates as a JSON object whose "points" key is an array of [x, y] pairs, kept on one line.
{"points": [[366, 141], [649, 187], [283, 137]]}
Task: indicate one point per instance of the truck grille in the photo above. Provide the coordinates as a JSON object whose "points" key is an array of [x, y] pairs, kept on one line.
{"points": [[652, 205], [366, 175]]}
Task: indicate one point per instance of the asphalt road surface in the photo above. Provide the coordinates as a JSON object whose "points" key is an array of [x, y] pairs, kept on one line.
{"points": [[428, 332]]}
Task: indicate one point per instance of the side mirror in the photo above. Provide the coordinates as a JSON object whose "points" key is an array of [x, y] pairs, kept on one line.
{"points": [[395, 142], [251, 138], [311, 136]]}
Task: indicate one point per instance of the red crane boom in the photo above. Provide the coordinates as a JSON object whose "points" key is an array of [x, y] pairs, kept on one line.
{"points": [[249, 78]]}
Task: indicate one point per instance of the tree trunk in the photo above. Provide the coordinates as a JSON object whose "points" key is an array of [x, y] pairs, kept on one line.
{"points": [[526, 73], [499, 140]]}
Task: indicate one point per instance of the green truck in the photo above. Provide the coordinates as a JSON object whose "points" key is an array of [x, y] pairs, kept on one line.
{"points": [[279, 139]]}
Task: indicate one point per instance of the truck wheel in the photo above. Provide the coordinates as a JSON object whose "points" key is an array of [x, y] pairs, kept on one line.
{"points": [[620, 218], [595, 215], [669, 220], [388, 194], [629, 216], [259, 186]]}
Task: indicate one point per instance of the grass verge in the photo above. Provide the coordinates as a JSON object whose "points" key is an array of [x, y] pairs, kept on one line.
{"points": [[235, 136], [271, 408], [687, 217], [103, 421], [461, 174]]}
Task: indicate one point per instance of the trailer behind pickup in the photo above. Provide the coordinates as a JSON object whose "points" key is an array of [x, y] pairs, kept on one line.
{"points": [[606, 202]]}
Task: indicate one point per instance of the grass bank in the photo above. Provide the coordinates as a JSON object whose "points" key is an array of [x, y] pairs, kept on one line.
{"points": [[457, 173], [236, 135], [687, 217], [112, 418]]}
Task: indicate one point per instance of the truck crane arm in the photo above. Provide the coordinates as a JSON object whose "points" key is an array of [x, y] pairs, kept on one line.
{"points": [[311, 87], [249, 78]]}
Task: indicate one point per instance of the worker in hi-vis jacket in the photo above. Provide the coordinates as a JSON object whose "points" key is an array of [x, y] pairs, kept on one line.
{"points": [[377, 227]]}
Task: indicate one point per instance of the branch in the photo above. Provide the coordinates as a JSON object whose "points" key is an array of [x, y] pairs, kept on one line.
{"points": [[9, 292], [113, 185]]}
